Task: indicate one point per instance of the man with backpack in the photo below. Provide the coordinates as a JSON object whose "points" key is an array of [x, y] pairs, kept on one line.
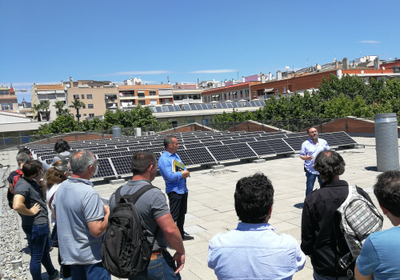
{"points": [[321, 236], [379, 258], [156, 218]]}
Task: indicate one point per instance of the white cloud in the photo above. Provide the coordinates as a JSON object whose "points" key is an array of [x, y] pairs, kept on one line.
{"points": [[127, 73], [370, 42], [217, 71]]}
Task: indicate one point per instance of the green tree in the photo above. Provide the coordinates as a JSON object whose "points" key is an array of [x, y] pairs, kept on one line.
{"points": [[37, 108], [59, 105], [77, 104], [45, 106]]}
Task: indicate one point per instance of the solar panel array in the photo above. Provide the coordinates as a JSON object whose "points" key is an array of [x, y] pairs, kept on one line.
{"points": [[196, 148], [205, 106]]}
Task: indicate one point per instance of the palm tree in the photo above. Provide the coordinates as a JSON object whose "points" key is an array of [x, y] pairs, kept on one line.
{"points": [[59, 105], [37, 108], [46, 106], [77, 104]]}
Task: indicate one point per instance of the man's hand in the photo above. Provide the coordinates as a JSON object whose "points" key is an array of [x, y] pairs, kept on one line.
{"points": [[35, 209], [185, 173], [307, 157], [180, 261], [106, 210]]}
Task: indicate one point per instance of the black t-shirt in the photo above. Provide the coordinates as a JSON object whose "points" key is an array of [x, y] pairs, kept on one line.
{"points": [[32, 192]]}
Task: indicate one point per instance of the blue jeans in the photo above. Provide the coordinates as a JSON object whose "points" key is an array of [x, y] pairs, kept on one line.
{"points": [[311, 180], [320, 277], [162, 268], [90, 271], [39, 244]]}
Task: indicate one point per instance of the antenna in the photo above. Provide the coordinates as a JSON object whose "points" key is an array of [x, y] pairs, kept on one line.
{"points": [[237, 75]]}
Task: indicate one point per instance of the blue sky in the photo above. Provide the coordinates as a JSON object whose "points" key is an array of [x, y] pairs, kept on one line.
{"points": [[45, 41]]}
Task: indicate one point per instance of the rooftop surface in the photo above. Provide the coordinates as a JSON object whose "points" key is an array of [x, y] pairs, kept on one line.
{"points": [[211, 209]]}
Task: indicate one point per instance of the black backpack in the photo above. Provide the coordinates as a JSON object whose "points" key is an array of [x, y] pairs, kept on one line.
{"points": [[125, 251]]}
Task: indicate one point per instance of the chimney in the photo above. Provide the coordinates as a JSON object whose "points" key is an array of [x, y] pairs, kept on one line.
{"points": [[376, 63], [269, 76], [262, 78], [279, 75], [336, 64], [345, 63], [243, 79]]}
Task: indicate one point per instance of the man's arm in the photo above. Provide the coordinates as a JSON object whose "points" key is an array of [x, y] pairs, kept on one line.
{"points": [[307, 231], [165, 166], [173, 236], [97, 228], [19, 206], [304, 154], [358, 275]]}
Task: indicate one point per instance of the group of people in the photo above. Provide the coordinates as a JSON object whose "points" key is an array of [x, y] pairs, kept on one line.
{"points": [[252, 251]]}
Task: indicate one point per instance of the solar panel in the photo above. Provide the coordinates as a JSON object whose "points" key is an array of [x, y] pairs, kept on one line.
{"points": [[262, 148], [231, 141], [242, 150], [165, 109], [200, 156], [212, 144], [187, 107], [210, 106], [154, 110], [193, 107], [239, 104], [222, 153], [219, 106], [198, 106], [159, 109], [105, 169], [224, 105], [279, 146], [108, 154], [247, 139], [185, 157], [344, 138], [234, 104], [177, 108], [122, 164], [194, 145], [248, 104], [296, 142], [332, 141]]}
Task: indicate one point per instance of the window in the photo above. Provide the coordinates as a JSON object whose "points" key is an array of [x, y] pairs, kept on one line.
{"points": [[140, 94], [90, 106], [91, 115], [153, 93], [76, 96], [142, 102], [89, 96], [83, 106], [276, 90], [84, 115], [82, 96], [255, 94], [284, 90]]}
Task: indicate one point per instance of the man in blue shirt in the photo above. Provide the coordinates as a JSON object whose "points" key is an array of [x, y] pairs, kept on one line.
{"points": [[175, 173], [379, 258], [253, 250], [309, 151]]}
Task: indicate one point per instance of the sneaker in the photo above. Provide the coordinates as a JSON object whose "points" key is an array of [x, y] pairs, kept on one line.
{"points": [[55, 276], [187, 237]]}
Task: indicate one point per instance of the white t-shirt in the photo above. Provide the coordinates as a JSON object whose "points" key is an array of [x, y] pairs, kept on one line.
{"points": [[49, 193]]}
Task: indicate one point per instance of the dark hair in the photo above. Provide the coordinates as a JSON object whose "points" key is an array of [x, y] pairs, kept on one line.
{"points": [[141, 161], [25, 151], [31, 167], [22, 158], [387, 191], [56, 174], [329, 164], [61, 146], [168, 140], [254, 196]]}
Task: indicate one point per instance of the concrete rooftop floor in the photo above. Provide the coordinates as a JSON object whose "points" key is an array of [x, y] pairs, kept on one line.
{"points": [[211, 209]]}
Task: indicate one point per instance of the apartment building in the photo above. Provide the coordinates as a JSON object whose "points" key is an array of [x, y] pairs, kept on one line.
{"points": [[131, 95], [186, 93], [8, 99], [51, 93], [97, 97], [235, 92]]}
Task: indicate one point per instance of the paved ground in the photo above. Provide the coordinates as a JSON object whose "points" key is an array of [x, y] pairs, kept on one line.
{"points": [[211, 208]]}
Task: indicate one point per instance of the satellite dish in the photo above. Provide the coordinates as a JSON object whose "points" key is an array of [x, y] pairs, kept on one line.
{"points": [[287, 68], [383, 67]]}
